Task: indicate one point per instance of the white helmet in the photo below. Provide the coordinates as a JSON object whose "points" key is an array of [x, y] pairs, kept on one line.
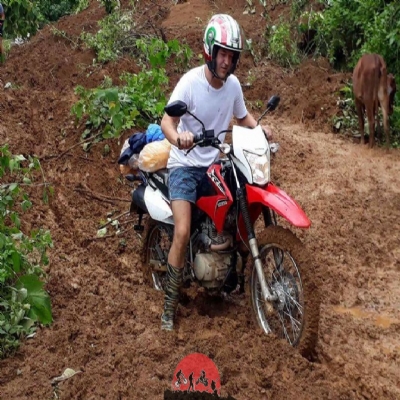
{"points": [[222, 31]]}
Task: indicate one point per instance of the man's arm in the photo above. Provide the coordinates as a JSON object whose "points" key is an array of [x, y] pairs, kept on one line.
{"points": [[168, 126], [250, 121]]}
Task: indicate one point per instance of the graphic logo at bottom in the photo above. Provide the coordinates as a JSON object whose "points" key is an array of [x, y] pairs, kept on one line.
{"points": [[195, 377], [196, 373]]}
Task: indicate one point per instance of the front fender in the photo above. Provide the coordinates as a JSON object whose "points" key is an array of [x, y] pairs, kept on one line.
{"points": [[279, 201]]}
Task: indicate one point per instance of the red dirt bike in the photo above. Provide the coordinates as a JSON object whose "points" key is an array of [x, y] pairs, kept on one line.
{"points": [[236, 191]]}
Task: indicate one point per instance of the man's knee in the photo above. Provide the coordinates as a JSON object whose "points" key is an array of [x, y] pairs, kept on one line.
{"points": [[181, 234]]}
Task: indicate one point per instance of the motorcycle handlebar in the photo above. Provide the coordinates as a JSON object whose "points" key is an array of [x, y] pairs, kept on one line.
{"points": [[196, 139]]}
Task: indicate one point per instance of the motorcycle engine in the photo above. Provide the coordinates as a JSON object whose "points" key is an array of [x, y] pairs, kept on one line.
{"points": [[211, 268]]}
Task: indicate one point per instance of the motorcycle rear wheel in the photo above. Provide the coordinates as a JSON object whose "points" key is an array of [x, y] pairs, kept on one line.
{"points": [[157, 244], [290, 274]]}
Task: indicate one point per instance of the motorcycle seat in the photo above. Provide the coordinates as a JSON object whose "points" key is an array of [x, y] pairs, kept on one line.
{"points": [[160, 179]]}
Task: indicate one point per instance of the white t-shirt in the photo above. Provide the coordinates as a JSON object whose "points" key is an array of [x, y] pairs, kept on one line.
{"points": [[214, 107]]}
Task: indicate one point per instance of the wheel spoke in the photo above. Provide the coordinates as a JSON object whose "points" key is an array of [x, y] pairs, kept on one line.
{"points": [[294, 322], [284, 329], [296, 303]]}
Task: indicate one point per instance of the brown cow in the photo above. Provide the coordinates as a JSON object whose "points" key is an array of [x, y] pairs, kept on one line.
{"points": [[372, 86]]}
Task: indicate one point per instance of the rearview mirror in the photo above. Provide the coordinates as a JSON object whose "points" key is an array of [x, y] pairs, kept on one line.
{"points": [[273, 102], [176, 108]]}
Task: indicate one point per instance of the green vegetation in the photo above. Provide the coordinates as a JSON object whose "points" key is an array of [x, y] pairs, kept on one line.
{"points": [[116, 108], [115, 37], [141, 100], [25, 17], [341, 30], [52, 10], [118, 36], [349, 29], [281, 47], [23, 301]]}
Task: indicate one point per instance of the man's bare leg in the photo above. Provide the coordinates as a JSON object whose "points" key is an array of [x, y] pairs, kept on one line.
{"points": [[182, 212]]}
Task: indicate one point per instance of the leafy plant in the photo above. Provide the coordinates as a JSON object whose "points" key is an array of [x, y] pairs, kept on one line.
{"points": [[23, 301], [350, 28], [346, 120], [52, 10], [23, 18], [114, 109], [156, 52], [110, 5], [140, 101], [281, 47], [116, 36], [81, 5], [296, 8], [382, 36]]}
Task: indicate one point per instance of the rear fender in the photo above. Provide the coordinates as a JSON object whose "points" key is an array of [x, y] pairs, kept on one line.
{"points": [[279, 201], [157, 206]]}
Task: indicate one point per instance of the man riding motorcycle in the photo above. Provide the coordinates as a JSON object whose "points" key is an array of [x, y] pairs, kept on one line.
{"points": [[214, 94]]}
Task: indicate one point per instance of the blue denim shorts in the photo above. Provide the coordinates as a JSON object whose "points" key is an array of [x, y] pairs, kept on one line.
{"points": [[183, 181]]}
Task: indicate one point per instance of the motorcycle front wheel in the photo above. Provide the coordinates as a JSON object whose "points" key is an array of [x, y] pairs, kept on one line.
{"points": [[290, 274]]}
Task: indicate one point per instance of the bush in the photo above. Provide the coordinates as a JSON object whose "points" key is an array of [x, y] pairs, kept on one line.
{"points": [[281, 47], [52, 10], [113, 109], [141, 100], [25, 17], [346, 121], [23, 302], [118, 36], [115, 37], [350, 28]]}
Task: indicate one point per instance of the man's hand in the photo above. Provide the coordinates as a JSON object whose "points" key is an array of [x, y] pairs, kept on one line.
{"points": [[268, 132], [185, 140]]}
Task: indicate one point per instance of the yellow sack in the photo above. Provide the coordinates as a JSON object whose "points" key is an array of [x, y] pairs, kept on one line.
{"points": [[154, 156]]}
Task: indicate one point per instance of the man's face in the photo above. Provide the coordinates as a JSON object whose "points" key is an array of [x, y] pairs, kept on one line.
{"points": [[224, 62]]}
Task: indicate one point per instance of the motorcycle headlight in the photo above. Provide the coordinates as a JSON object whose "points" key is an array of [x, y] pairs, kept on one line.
{"points": [[259, 167]]}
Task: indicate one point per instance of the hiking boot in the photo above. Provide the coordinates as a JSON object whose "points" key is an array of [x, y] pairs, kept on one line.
{"points": [[174, 283]]}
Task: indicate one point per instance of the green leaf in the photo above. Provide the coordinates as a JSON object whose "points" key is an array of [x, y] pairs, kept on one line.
{"points": [[37, 298], [16, 220], [117, 121], [12, 186], [25, 205], [111, 95], [16, 258], [19, 158]]}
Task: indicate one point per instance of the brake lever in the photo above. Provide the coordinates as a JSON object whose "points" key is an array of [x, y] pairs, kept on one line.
{"points": [[196, 144]]}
